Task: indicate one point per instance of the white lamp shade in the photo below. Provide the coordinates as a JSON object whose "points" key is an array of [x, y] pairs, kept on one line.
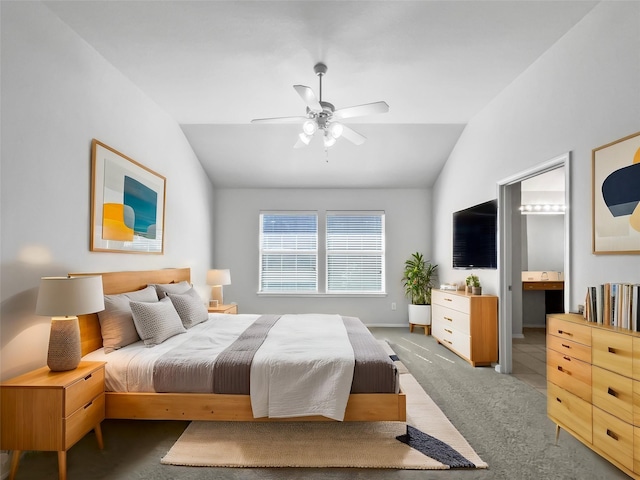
{"points": [[69, 296], [219, 277]]}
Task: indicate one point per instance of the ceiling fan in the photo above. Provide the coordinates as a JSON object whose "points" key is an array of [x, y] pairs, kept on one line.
{"points": [[322, 116]]}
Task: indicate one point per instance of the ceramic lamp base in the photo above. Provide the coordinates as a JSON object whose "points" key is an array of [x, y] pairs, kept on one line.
{"points": [[64, 344]]}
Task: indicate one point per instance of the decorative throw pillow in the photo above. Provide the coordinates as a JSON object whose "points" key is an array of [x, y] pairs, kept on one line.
{"points": [[156, 321], [116, 320], [190, 307], [164, 288]]}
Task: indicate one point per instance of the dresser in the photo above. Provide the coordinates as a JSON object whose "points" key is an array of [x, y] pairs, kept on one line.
{"points": [[593, 387], [466, 324], [45, 410]]}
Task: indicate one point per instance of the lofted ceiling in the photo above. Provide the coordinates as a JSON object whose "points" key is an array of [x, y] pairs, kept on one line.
{"points": [[215, 65]]}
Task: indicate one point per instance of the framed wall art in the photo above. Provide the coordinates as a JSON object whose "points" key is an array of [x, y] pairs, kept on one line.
{"points": [[127, 204], [616, 197]]}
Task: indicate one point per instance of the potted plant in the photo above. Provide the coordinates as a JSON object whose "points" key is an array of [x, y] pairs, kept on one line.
{"points": [[418, 281], [473, 285]]}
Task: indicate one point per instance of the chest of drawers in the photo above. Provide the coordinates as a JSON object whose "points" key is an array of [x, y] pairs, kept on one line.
{"points": [[466, 324]]}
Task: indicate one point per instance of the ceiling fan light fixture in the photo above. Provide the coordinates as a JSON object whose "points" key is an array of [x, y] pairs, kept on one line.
{"points": [[309, 127], [336, 129], [304, 138], [329, 140]]}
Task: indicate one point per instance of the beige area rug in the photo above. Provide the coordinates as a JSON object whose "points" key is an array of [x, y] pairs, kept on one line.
{"points": [[322, 445]]}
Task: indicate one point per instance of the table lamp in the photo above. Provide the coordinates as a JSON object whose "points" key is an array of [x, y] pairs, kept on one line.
{"points": [[62, 298], [218, 278]]}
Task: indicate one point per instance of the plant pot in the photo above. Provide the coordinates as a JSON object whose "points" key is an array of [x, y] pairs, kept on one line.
{"points": [[476, 290], [419, 314], [467, 289]]}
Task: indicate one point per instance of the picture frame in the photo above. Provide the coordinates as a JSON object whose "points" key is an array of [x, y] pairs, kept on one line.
{"points": [[127, 204], [616, 197]]}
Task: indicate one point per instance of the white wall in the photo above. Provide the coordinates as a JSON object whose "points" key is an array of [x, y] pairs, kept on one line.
{"points": [[408, 229], [580, 94], [58, 94]]}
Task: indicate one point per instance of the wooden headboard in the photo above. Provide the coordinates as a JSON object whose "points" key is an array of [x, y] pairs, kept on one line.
{"points": [[120, 282]]}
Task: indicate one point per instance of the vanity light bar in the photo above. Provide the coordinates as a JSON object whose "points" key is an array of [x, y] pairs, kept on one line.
{"points": [[542, 209]]}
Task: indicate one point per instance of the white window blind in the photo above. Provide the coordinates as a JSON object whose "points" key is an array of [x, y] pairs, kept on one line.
{"points": [[355, 252], [288, 252]]}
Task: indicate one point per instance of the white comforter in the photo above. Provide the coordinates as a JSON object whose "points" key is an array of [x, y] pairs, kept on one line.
{"points": [[315, 380], [312, 376]]}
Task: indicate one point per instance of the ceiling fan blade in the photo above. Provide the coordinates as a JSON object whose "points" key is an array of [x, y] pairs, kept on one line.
{"points": [[280, 120], [309, 98], [361, 110], [300, 144], [353, 136]]}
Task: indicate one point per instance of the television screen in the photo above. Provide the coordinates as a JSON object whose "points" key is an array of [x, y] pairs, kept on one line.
{"points": [[475, 236]]}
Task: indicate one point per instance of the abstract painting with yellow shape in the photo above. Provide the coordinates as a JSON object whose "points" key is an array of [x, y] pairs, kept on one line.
{"points": [[616, 197]]}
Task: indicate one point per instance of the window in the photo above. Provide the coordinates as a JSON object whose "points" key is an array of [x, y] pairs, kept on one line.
{"points": [[288, 252], [355, 252]]}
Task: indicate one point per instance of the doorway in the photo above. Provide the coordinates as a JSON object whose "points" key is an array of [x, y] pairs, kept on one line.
{"points": [[510, 258]]}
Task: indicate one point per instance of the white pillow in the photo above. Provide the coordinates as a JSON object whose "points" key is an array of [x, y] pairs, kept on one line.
{"points": [[190, 307], [156, 321]]}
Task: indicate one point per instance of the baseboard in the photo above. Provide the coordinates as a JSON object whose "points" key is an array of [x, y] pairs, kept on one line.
{"points": [[517, 335], [387, 325]]}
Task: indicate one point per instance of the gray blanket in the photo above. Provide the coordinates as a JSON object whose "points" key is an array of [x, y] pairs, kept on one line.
{"points": [[192, 369]]}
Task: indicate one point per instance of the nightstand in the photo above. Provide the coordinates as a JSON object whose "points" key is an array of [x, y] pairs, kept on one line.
{"points": [[230, 309], [45, 410]]}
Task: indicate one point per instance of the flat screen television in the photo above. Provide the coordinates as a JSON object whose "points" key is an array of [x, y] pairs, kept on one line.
{"points": [[475, 236]]}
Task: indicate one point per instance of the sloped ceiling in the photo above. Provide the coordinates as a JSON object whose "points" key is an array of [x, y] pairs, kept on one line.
{"points": [[215, 65]]}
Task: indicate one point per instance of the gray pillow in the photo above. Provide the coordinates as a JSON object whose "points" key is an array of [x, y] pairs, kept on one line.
{"points": [[164, 288], [190, 307], [116, 320], [156, 321]]}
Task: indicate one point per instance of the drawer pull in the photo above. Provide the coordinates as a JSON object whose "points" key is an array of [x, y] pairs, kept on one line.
{"points": [[88, 376], [448, 300], [88, 404], [612, 392], [558, 400], [563, 370], [611, 350], [565, 333], [450, 319], [565, 346], [448, 331], [568, 359], [447, 341], [612, 435]]}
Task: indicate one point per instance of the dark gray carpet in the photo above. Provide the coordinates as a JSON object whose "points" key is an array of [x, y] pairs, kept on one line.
{"points": [[503, 419]]}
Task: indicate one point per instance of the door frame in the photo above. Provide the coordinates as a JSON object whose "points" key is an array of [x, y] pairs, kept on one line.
{"points": [[505, 252]]}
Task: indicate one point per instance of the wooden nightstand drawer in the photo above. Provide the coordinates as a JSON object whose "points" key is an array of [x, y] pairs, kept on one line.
{"points": [[83, 420], [452, 319], [568, 409], [613, 393], [569, 330], [614, 437], [83, 391], [569, 373], [450, 300], [569, 347], [613, 351]]}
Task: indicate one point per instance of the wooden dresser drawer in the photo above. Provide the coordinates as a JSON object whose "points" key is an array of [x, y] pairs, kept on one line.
{"points": [[569, 347], [569, 410], [83, 391], [614, 437], [83, 420], [452, 319], [569, 330], [570, 374], [453, 339], [455, 301], [613, 393], [613, 351]]}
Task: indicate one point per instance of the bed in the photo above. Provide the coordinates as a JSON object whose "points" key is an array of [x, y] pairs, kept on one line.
{"points": [[206, 406]]}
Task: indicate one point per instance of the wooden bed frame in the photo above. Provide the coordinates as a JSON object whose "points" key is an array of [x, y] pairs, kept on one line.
{"points": [[205, 406]]}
